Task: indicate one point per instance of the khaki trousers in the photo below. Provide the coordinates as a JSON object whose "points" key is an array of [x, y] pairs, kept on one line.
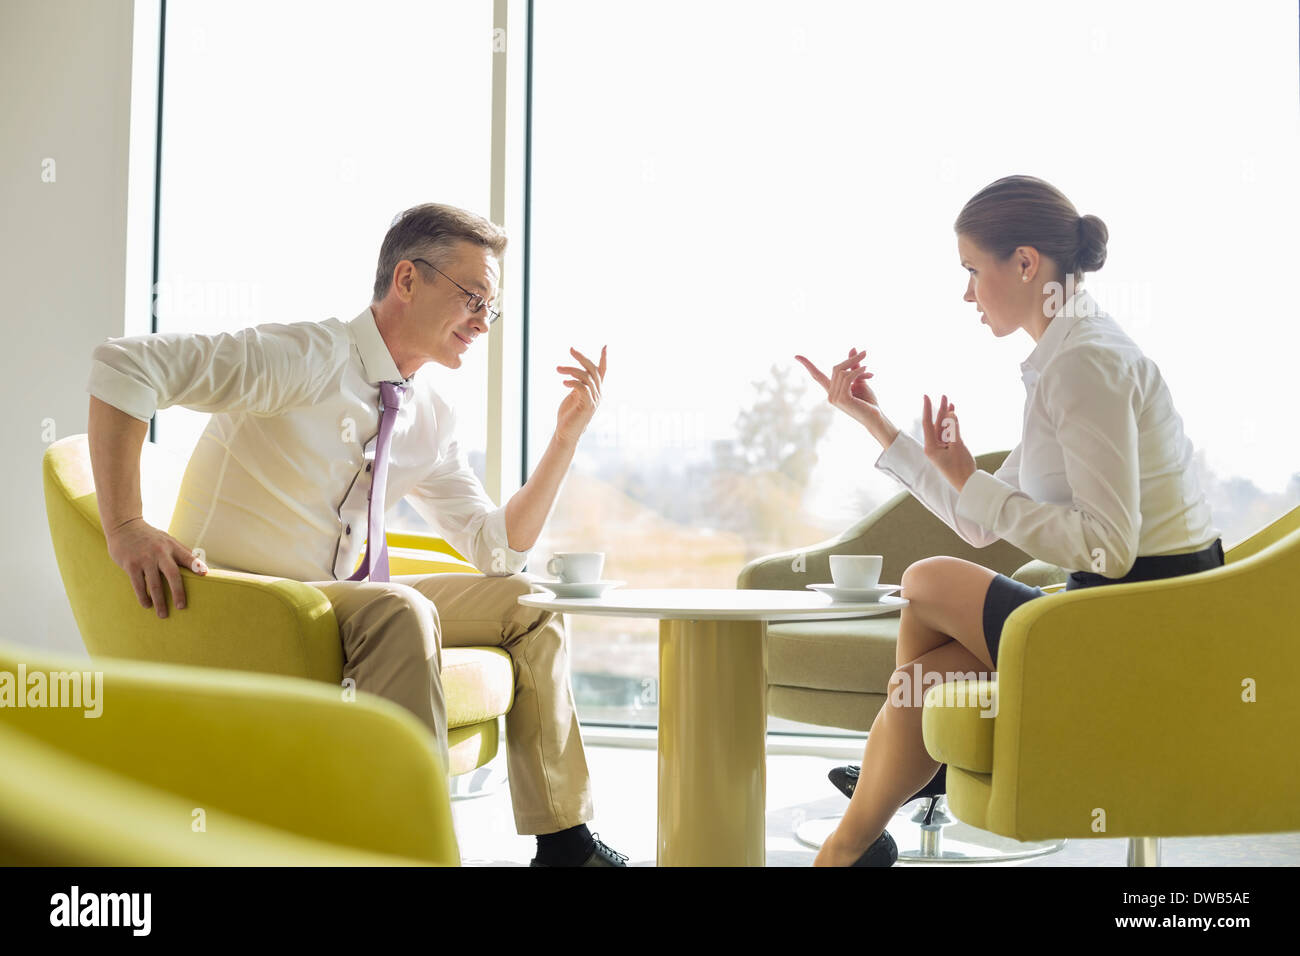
{"points": [[393, 634]]}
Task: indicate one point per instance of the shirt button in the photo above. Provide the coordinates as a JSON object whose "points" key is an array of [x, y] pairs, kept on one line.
{"points": [[367, 466], [348, 530]]}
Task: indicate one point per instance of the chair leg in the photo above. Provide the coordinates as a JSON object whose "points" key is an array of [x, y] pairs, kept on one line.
{"points": [[1143, 851]]}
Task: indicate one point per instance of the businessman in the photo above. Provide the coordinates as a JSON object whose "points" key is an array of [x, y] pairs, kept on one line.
{"points": [[316, 429]]}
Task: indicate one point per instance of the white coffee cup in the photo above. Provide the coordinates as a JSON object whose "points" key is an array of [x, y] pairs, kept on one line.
{"points": [[856, 570], [576, 567]]}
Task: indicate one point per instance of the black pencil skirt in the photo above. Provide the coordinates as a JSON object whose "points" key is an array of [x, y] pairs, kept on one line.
{"points": [[1005, 594]]}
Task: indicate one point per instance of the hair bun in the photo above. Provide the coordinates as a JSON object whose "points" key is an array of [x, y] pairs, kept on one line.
{"points": [[1093, 236]]}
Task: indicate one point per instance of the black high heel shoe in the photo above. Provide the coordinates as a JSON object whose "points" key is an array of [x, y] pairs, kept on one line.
{"points": [[884, 852], [846, 780]]}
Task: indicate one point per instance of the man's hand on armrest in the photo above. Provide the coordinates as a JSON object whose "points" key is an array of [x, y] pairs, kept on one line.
{"points": [[145, 553]]}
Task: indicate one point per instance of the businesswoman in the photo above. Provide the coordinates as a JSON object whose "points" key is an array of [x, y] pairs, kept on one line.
{"points": [[1101, 483]]}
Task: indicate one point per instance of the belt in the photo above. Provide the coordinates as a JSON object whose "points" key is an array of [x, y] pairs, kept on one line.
{"points": [[1154, 567]]}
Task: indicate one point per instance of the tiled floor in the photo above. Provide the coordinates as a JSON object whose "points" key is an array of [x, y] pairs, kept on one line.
{"points": [[797, 789]]}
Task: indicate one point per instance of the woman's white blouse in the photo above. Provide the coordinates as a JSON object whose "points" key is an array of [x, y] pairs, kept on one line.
{"points": [[1103, 473]]}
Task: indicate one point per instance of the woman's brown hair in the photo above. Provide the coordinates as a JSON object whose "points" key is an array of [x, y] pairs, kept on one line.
{"points": [[1026, 211]]}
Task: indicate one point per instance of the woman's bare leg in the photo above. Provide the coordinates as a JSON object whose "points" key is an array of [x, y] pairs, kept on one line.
{"points": [[946, 598], [915, 637], [940, 626], [895, 763]]}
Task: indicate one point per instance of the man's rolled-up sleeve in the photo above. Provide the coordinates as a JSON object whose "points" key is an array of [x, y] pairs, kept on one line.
{"points": [[262, 370], [1093, 404], [452, 499]]}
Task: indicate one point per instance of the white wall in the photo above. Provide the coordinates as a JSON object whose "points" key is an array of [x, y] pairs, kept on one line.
{"points": [[65, 86]]}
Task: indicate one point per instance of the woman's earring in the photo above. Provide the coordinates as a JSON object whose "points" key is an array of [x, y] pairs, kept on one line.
{"points": [[1024, 277]]}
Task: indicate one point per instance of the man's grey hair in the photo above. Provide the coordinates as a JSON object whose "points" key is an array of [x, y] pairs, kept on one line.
{"points": [[430, 231]]}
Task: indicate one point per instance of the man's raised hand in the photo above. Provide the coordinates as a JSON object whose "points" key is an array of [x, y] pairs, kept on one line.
{"points": [[580, 404]]}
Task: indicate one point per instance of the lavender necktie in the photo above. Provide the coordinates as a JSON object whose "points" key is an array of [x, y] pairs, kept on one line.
{"points": [[391, 394]]}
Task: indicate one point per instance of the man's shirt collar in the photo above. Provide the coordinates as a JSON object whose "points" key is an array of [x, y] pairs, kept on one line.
{"points": [[376, 361]]}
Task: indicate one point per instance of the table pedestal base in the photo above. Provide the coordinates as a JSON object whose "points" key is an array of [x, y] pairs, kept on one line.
{"points": [[712, 743]]}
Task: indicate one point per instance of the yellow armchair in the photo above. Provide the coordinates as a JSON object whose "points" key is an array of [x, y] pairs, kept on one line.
{"points": [[246, 622], [197, 766], [1141, 710]]}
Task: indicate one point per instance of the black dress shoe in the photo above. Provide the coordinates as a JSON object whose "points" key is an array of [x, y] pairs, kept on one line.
{"points": [[600, 855], [846, 779], [884, 852]]}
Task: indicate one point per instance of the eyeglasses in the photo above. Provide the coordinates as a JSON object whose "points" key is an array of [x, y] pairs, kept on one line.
{"points": [[475, 302]]}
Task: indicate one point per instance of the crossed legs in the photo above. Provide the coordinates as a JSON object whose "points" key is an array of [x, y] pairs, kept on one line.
{"points": [[941, 631]]}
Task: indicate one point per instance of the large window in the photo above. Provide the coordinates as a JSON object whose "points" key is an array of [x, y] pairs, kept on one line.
{"points": [[717, 186], [293, 133]]}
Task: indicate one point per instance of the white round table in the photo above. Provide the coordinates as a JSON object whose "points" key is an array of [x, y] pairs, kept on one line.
{"points": [[712, 707]]}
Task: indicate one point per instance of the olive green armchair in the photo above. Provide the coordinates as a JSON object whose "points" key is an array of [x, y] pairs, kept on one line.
{"points": [[246, 622]]}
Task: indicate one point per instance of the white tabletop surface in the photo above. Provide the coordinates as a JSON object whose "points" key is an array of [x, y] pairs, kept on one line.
{"points": [[713, 604]]}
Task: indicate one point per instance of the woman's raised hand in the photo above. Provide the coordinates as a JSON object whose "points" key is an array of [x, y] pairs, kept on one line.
{"points": [[847, 388], [944, 445]]}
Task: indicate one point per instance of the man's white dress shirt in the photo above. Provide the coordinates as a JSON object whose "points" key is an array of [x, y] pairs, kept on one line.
{"points": [[1103, 473], [278, 481]]}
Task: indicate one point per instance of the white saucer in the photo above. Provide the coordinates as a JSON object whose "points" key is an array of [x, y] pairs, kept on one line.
{"points": [[582, 589], [855, 594]]}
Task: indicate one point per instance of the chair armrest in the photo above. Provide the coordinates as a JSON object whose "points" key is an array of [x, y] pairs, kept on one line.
{"points": [[414, 552], [232, 619], [281, 751], [791, 570], [1040, 574], [421, 541], [1139, 696]]}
